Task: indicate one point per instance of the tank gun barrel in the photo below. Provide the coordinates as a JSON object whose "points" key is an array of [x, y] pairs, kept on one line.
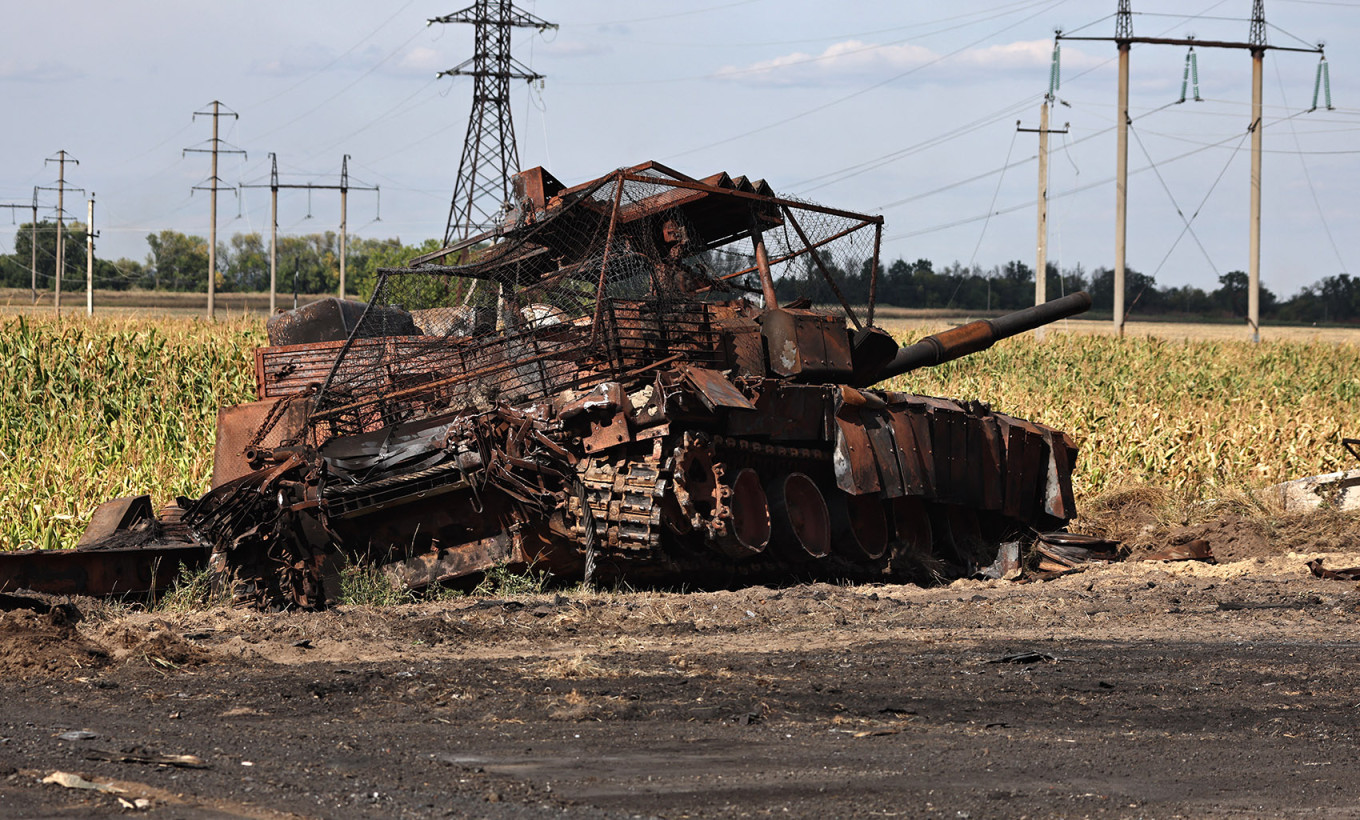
{"points": [[980, 335]]}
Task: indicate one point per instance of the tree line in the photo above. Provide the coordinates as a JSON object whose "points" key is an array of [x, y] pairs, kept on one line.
{"points": [[310, 263]]}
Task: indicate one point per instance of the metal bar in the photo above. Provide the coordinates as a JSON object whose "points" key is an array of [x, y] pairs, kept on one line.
{"points": [[1190, 41], [762, 263], [830, 280], [873, 274], [604, 262], [713, 189], [786, 257]]}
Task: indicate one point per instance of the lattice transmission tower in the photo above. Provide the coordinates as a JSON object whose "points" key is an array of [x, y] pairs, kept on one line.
{"points": [[489, 153]]}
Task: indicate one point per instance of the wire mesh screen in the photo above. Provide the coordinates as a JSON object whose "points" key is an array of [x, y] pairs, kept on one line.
{"points": [[605, 282]]}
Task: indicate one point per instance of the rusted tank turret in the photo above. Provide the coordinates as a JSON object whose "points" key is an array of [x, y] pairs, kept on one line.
{"points": [[605, 387]]}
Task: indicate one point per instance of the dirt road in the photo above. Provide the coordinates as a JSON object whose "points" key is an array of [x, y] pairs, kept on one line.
{"points": [[1134, 690]]}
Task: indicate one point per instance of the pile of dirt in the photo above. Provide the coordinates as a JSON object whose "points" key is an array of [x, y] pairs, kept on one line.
{"points": [[155, 642], [1247, 537], [44, 643]]}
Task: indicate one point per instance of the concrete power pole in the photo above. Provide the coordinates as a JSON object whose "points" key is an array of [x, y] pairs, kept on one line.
{"points": [[344, 236], [490, 156], [33, 246], [33, 240], [215, 148], [61, 159], [1256, 44], [89, 258], [1257, 39], [344, 188], [273, 230], [1041, 241]]}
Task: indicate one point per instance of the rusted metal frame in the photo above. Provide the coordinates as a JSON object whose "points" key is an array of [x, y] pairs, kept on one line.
{"points": [[699, 186], [457, 246], [474, 270], [786, 257], [873, 272], [821, 266], [334, 411], [604, 262], [578, 197]]}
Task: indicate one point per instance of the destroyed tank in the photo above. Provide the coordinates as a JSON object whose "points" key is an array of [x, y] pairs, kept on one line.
{"points": [[605, 388]]}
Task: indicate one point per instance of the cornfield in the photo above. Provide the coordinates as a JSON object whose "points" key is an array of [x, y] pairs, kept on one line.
{"points": [[99, 409], [105, 408]]}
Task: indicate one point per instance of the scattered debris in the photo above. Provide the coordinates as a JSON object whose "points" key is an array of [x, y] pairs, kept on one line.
{"points": [[1300, 603], [154, 759], [1060, 551], [75, 781], [78, 735], [1197, 550], [1348, 574], [1025, 657]]}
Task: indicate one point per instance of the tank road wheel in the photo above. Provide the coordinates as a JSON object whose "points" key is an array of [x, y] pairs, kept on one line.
{"points": [[743, 530], [798, 513], [731, 512], [858, 525]]}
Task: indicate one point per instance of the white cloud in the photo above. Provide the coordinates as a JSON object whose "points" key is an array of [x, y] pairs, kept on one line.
{"points": [[571, 49], [854, 61], [45, 72], [423, 60]]}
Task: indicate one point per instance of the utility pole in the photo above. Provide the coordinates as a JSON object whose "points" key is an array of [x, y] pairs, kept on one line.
{"points": [[274, 185], [1257, 39], [1041, 245], [273, 229], [89, 258], [1256, 44], [33, 240], [61, 159], [215, 148], [33, 246], [344, 195], [490, 156]]}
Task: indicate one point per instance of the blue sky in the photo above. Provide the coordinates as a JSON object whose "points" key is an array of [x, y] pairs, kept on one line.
{"points": [[905, 108]]}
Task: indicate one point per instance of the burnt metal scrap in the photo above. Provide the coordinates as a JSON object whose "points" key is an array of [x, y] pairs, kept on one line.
{"points": [[606, 388]]}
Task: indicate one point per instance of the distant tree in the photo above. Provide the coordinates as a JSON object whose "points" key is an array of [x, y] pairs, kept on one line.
{"points": [[177, 261]]}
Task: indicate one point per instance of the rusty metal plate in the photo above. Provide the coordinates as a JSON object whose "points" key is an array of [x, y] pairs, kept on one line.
{"points": [[714, 389], [115, 515], [853, 458], [1058, 500], [886, 455], [131, 571], [807, 344], [787, 413], [925, 448], [1025, 457], [746, 354], [991, 464], [448, 564], [237, 427], [610, 434], [908, 453]]}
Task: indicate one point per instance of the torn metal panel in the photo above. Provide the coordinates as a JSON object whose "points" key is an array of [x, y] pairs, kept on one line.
{"points": [[102, 572]]}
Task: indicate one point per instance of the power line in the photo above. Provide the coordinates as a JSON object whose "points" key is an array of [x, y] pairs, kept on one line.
{"points": [[867, 89]]}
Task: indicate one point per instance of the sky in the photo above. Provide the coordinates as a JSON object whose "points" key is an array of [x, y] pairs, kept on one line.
{"points": [[908, 109]]}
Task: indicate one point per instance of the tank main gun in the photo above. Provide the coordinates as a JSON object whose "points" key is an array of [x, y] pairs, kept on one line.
{"points": [[973, 337]]}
